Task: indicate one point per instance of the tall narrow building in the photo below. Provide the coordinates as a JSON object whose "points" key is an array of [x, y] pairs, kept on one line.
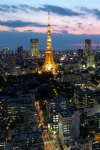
{"points": [[34, 47], [49, 64], [87, 47], [19, 51], [89, 56]]}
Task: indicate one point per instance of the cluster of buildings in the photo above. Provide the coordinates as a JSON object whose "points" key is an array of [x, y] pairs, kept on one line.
{"points": [[19, 121], [72, 114]]}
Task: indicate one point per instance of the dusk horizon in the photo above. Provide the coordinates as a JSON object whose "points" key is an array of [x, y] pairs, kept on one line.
{"points": [[71, 23]]}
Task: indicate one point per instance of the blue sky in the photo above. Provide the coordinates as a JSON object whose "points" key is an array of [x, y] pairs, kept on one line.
{"points": [[72, 21]]}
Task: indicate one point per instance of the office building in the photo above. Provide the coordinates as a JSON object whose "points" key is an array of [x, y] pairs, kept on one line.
{"points": [[87, 47], [54, 105], [19, 51], [89, 56], [34, 47], [83, 97], [68, 125], [80, 53]]}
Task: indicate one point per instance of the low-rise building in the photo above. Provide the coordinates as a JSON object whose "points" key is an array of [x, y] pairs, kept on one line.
{"points": [[83, 97], [79, 145]]}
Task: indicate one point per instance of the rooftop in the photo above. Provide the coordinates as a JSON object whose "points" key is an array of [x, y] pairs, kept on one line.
{"points": [[65, 113], [83, 91], [97, 115]]}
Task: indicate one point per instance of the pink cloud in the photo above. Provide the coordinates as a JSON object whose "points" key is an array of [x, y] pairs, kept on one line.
{"points": [[95, 45], [4, 28], [23, 29], [54, 29], [83, 44], [30, 28], [93, 31], [33, 29]]}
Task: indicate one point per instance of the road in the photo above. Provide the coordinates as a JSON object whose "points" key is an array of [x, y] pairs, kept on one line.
{"points": [[49, 144]]}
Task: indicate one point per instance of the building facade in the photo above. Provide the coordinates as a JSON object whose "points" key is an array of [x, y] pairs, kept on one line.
{"points": [[68, 125], [19, 51], [83, 97], [87, 47], [89, 56], [34, 47]]}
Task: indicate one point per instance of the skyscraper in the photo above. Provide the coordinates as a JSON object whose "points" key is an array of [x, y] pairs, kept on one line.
{"points": [[34, 47], [19, 51], [49, 64], [87, 47], [89, 56]]}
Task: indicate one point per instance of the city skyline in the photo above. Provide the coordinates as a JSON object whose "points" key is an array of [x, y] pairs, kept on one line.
{"points": [[71, 23]]}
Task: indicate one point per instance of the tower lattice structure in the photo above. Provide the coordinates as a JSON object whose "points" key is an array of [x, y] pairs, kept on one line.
{"points": [[49, 64]]}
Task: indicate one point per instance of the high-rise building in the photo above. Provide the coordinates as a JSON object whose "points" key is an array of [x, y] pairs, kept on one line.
{"points": [[87, 47], [80, 52], [49, 64], [19, 51], [89, 56], [34, 47]]}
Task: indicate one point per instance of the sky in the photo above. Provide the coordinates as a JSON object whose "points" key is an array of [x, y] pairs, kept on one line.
{"points": [[72, 21]]}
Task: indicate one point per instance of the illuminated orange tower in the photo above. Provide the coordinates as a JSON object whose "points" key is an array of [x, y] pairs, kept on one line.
{"points": [[49, 64]]}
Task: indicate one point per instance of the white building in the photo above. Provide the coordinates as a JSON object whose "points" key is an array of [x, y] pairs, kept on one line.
{"points": [[68, 125]]}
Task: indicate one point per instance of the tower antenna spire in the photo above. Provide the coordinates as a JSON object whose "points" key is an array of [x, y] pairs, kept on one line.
{"points": [[48, 17], [49, 43]]}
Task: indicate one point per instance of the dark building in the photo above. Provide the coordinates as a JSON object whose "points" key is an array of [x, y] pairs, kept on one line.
{"points": [[19, 51], [83, 97], [3, 114], [87, 47], [80, 53]]}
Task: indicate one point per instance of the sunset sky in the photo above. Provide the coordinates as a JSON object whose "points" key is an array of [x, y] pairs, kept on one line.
{"points": [[72, 21]]}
